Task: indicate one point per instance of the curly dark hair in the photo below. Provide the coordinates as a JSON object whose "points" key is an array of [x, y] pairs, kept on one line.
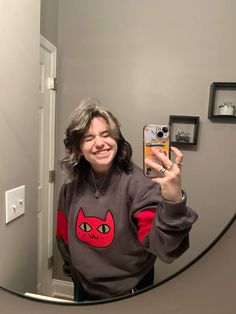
{"points": [[73, 163]]}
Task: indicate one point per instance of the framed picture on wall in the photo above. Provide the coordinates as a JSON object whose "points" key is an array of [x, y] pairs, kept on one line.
{"points": [[184, 130]]}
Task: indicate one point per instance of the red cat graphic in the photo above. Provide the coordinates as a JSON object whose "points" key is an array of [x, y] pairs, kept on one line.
{"points": [[95, 231]]}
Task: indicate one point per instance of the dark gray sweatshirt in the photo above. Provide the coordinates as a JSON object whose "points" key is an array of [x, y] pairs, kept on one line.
{"points": [[111, 242]]}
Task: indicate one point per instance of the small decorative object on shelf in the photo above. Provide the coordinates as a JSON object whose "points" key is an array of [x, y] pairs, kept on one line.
{"points": [[182, 136], [222, 101], [227, 109], [184, 130]]}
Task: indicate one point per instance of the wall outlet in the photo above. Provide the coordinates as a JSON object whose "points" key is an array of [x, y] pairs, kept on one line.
{"points": [[15, 203]]}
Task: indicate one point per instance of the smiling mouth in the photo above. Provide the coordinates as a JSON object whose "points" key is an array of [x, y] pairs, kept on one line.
{"points": [[102, 152]]}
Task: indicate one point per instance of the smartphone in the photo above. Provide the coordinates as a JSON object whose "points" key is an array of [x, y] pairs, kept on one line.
{"points": [[157, 136]]}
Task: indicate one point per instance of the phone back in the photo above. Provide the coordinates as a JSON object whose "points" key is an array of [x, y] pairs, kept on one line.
{"points": [[157, 136]]}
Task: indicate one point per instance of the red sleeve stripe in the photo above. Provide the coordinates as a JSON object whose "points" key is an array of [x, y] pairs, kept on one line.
{"points": [[144, 222], [62, 226]]}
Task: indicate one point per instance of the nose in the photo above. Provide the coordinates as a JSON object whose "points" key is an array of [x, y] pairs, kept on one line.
{"points": [[98, 141]]}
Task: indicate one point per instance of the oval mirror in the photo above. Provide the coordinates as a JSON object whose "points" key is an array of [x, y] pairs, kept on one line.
{"points": [[145, 62]]}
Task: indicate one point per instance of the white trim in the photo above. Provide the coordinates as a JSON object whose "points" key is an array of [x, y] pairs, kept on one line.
{"points": [[47, 45], [62, 289], [46, 298], [50, 48], [44, 43]]}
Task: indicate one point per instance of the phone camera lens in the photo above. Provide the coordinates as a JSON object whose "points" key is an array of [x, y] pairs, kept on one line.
{"points": [[165, 129], [160, 134]]}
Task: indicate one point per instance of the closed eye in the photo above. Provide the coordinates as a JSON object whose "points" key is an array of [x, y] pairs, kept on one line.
{"points": [[105, 134], [88, 138], [91, 137]]}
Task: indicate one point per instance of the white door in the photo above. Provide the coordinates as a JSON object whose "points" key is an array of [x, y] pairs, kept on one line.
{"points": [[46, 165]]}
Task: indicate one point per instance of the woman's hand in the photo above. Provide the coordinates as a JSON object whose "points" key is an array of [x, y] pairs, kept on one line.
{"points": [[170, 179]]}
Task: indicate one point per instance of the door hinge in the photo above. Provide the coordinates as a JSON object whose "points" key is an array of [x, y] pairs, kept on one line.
{"points": [[52, 176], [50, 262], [52, 83]]}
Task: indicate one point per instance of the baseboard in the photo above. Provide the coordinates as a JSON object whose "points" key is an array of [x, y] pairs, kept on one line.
{"points": [[62, 289]]}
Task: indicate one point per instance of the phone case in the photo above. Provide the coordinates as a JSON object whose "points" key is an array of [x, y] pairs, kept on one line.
{"points": [[155, 136]]}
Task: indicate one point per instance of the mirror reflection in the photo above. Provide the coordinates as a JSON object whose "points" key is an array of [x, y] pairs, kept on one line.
{"points": [[144, 62], [111, 215]]}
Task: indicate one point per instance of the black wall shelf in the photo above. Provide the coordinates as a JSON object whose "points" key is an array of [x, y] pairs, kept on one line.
{"points": [[184, 130], [221, 92]]}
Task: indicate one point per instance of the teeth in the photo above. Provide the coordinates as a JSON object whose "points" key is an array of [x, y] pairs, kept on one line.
{"points": [[101, 152]]}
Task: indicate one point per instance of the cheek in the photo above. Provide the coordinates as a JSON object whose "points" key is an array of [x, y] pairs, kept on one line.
{"points": [[81, 148], [84, 149], [114, 150], [114, 145]]}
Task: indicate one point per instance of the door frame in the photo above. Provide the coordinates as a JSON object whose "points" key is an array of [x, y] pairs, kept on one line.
{"points": [[49, 47]]}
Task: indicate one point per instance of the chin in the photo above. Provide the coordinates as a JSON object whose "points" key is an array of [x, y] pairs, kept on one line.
{"points": [[103, 165]]}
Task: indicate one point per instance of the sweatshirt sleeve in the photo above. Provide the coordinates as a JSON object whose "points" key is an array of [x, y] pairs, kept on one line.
{"points": [[62, 229], [163, 227]]}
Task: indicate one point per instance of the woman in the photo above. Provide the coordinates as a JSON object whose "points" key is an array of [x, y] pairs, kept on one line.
{"points": [[112, 220]]}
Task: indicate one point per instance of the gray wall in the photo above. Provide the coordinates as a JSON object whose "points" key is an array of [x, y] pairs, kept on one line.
{"points": [[49, 20], [146, 60], [19, 63]]}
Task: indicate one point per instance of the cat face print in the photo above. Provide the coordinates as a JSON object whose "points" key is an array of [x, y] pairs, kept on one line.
{"points": [[95, 231]]}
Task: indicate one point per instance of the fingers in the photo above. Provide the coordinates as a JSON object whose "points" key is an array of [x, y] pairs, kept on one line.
{"points": [[170, 173], [162, 158], [178, 156], [158, 167], [164, 163]]}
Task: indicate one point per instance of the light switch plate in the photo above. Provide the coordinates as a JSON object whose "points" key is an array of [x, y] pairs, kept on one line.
{"points": [[15, 203]]}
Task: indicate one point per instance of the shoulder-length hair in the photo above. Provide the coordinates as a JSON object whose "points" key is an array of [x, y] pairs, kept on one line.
{"points": [[74, 164]]}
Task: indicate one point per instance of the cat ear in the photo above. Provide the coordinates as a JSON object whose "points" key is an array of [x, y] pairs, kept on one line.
{"points": [[109, 216], [80, 214]]}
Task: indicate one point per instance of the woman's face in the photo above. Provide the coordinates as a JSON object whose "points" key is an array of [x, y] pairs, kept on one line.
{"points": [[98, 147]]}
